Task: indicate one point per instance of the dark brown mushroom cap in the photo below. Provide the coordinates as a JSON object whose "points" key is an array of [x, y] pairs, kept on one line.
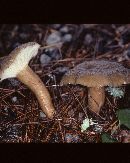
{"points": [[97, 73], [18, 59]]}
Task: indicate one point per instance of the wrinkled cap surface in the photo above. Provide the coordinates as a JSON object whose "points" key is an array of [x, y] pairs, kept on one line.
{"points": [[17, 60], [97, 73]]}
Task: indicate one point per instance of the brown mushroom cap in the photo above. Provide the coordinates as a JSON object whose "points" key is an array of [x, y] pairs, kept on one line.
{"points": [[17, 60], [97, 73]]}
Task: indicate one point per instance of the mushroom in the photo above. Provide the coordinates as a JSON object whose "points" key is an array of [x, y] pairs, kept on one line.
{"points": [[95, 75], [16, 65]]}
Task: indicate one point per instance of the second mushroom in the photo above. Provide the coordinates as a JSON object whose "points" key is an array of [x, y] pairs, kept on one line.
{"points": [[95, 75]]}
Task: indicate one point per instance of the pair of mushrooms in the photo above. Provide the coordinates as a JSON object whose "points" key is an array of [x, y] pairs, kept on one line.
{"points": [[93, 74]]}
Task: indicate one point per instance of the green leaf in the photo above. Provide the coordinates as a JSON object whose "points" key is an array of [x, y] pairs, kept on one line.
{"points": [[124, 117], [107, 139]]}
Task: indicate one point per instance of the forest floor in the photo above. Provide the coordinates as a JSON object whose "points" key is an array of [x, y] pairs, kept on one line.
{"points": [[22, 120]]}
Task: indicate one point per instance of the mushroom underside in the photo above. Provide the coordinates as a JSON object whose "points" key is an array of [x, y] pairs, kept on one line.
{"points": [[114, 80], [95, 84]]}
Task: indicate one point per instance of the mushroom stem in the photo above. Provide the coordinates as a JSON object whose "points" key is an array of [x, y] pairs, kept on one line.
{"points": [[32, 80], [96, 98]]}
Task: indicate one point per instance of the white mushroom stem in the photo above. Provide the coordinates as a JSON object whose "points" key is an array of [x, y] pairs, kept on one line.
{"points": [[31, 80], [96, 98]]}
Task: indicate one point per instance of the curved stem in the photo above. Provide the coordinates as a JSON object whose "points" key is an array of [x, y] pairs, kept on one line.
{"points": [[32, 80], [96, 98]]}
